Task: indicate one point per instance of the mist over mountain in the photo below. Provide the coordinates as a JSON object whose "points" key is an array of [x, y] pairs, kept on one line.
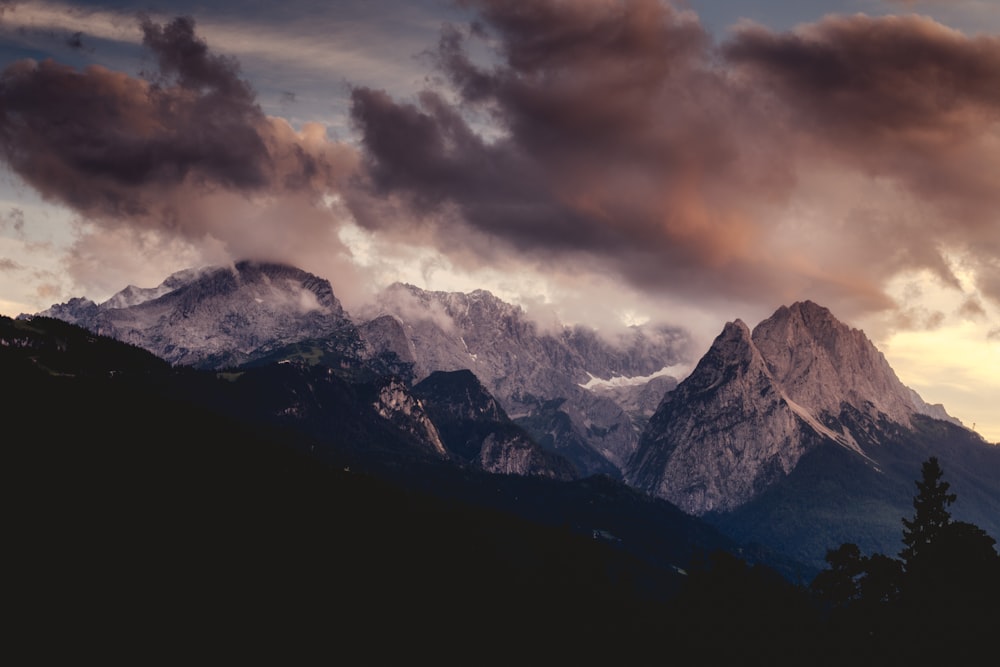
{"points": [[580, 394], [470, 380], [545, 380], [219, 316]]}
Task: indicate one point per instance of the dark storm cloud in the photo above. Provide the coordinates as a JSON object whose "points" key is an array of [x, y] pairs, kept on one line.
{"points": [[429, 152], [618, 142], [114, 147], [615, 135], [907, 83], [626, 135], [900, 98]]}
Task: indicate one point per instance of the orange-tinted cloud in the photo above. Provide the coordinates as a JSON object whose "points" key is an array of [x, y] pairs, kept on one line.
{"points": [[622, 144], [629, 139], [614, 137], [903, 99], [120, 149], [180, 165]]}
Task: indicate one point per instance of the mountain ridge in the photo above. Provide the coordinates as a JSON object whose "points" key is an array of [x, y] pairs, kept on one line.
{"points": [[724, 442], [770, 394], [729, 443]]}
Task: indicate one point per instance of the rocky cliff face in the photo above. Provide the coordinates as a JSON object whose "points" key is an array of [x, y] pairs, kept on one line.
{"points": [[822, 363], [476, 430], [756, 403], [222, 316], [723, 434], [538, 377], [398, 406]]}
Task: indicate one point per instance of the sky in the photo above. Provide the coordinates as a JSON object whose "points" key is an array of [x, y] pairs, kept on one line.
{"points": [[604, 162]]}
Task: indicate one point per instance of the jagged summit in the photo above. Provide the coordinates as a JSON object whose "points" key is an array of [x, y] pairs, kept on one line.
{"points": [[134, 296], [539, 375], [821, 362], [758, 401], [722, 434]]}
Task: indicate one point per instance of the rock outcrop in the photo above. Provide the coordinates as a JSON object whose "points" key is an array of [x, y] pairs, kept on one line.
{"points": [[757, 402]]}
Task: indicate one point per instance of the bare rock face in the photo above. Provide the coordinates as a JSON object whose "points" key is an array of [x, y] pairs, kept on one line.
{"points": [[539, 377], [398, 406], [723, 434], [822, 363], [514, 454], [475, 429], [221, 316], [757, 402]]}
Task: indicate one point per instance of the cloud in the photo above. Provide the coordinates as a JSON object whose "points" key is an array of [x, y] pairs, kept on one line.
{"points": [[972, 308], [620, 147], [901, 99], [13, 220], [815, 163], [114, 146], [183, 154], [614, 138]]}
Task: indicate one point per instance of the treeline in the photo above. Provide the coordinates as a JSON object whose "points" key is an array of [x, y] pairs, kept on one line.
{"points": [[937, 600]]}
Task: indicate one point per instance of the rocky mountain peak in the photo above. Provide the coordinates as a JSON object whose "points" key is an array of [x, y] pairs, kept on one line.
{"points": [[77, 310], [757, 401], [732, 351], [734, 333], [822, 363], [722, 435]]}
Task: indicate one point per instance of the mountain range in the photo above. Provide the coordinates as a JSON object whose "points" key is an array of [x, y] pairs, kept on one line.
{"points": [[788, 439]]}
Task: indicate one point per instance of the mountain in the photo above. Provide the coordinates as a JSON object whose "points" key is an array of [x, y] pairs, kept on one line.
{"points": [[795, 436], [725, 433], [804, 396], [274, 502], [221, 316], [476, 430], [549, 381], [584, 397]]}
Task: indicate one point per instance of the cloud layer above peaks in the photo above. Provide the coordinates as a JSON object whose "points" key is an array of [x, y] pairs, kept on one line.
{"points": [[772, 166]]}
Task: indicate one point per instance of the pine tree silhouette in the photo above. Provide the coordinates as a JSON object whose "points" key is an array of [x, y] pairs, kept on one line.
{"points": [[931, 513]]}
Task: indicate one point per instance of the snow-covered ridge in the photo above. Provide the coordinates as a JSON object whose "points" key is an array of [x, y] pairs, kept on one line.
{"points": [[677, 371]]}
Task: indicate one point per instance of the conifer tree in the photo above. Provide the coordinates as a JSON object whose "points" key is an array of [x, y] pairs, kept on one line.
{"points": [[931, 513]]}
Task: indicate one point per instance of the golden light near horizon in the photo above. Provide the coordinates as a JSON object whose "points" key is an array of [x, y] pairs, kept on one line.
{"points": [[945, 355], [954, 365]]}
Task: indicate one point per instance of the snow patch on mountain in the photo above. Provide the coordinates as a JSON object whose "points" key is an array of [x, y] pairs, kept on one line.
{"points": [[844, 438], [676, 371]]}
